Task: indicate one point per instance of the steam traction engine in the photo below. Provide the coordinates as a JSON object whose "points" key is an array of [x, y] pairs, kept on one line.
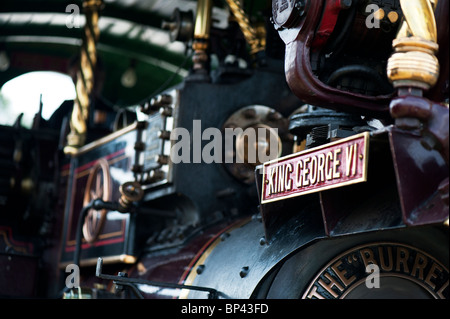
{"points": [[355, 96]]}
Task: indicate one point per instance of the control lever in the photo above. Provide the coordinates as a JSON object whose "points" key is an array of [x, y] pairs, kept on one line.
{"points": [[122, 280]]}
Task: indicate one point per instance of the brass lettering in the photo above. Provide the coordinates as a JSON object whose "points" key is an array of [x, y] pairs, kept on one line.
{"points": [[348, 157], [402, 259], [287, 176], [336, 164], [313, 166], [271, 186], [298, 181], [314, 293], [341, 274], [390, 264], [329, 287], [367, 257], [419, 264], [355, 160], [320, 168], [432, 274], [280, 178], [305, 171], [392, 259], [440, 292], [329, 171]]}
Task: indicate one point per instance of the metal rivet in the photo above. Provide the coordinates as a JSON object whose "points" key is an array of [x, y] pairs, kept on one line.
{"points": [[244, 271], [262, 241], [224, 236], [200, 269]]}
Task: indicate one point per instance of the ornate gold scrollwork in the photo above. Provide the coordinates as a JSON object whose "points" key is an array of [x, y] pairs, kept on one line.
{"points": [[99, 185], [414, 63]]}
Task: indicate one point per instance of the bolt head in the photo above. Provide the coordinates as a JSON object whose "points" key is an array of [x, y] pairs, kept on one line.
{"points": [[244, 271]]}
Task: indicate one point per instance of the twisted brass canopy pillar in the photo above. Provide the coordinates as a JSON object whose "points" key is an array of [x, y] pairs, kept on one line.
{"points": [[414, 63], [85, 77], [251, 35]]}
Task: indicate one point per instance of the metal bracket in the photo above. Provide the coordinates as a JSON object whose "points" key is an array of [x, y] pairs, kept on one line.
{"points": [[131, 282]]}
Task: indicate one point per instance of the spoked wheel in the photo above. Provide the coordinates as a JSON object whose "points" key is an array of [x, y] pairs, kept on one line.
{"points": [[396, 264], [98, 186]]}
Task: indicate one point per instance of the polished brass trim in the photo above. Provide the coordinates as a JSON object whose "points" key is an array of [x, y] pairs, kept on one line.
{"points": [[414, 63], [105, 139], [111, 162], [366, 136], [203, 19], [202, 31]]}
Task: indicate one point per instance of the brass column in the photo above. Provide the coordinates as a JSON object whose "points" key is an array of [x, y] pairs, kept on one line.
{"points": [[414, 63], [202, 28], [85, 77]]}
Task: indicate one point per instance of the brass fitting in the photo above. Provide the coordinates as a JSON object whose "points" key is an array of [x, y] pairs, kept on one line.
{"points": [[414, 62], [202, 31], [203, 20], [131, 192]]}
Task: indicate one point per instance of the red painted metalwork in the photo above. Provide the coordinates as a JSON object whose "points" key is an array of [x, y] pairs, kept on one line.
{"points": [[306, 85], [328, 23]]}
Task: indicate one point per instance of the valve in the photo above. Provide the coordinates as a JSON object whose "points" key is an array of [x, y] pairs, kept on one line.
{"points": [[131, 192]]}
